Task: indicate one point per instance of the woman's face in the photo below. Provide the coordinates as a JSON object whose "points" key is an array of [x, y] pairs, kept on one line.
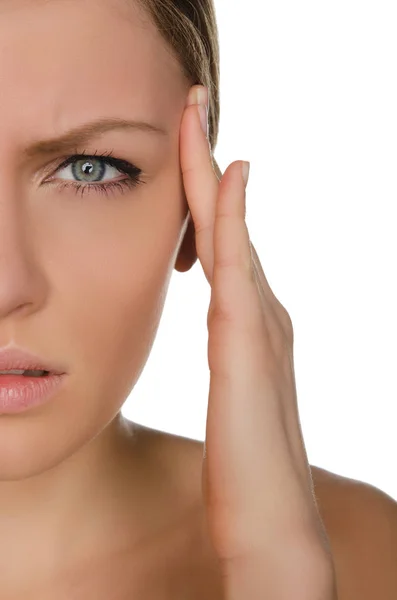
{"points": [[83, 276]]}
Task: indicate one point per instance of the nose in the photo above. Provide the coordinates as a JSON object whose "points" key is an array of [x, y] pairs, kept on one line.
{"points": [[20, 279]]}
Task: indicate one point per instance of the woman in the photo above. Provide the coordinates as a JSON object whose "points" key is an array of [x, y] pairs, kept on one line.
{"points": [[108, 183]]}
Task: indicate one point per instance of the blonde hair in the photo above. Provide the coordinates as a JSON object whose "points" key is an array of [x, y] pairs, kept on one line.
{"points": [[190, 29]]}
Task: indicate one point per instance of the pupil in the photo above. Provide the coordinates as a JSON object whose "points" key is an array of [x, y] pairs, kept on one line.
{"points": [[88, 170]]}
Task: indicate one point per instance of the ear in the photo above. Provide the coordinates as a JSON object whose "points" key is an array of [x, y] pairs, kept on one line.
{"points": [[187, 254]]}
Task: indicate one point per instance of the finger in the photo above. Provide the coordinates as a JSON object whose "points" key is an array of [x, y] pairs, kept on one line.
{"points": [[234, 281], [199, 179], [236, 314], [233, 248], [269, 298], [237, 249]]}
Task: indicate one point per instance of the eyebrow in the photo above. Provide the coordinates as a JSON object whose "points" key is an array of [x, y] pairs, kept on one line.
{"points": [[83, 133]]}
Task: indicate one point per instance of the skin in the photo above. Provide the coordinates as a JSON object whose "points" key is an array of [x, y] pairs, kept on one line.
{"points": [[83, 279], [64, 468], [263, 518]]}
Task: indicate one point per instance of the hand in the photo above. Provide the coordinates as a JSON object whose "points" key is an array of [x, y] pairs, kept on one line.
{"points": [[257, 487]]}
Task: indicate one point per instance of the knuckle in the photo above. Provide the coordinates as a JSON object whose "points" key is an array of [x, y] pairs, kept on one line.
{"points": [[286, 322], [219, 314], [188, 170], [238, 259], [200, 227]]}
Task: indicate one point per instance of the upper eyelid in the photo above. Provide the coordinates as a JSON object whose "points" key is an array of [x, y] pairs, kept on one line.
{"points": [[81, 156]]}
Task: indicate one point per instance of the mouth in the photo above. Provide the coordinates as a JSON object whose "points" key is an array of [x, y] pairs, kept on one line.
{"points": [[27, 373], [23, 389], [18, 362]]}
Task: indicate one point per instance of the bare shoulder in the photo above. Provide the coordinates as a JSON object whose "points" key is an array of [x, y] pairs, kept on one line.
{"points": [[360, 519], [361, 522]]}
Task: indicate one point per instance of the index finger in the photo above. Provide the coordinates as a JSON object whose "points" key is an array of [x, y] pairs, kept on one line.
{"points": [[199, 179]]}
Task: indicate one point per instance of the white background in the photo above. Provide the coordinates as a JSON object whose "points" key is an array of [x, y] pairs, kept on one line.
{"points": [[309, 96]]}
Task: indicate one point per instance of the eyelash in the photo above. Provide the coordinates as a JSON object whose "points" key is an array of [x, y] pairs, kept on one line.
{"points": [[133, 172]]}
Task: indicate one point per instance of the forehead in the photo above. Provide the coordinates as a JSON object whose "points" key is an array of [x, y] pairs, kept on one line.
{"points": [[59, 57]]}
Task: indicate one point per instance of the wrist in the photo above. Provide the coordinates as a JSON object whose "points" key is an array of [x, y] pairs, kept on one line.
{"points": [[265, 577]]}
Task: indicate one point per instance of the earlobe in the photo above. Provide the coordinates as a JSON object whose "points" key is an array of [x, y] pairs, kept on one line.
{"points": [[187, 254]]}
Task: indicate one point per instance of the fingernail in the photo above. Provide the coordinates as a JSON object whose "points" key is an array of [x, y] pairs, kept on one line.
{"points": [[245, 170], [200, 97]]}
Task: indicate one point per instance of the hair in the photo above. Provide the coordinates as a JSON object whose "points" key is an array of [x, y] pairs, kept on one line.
{"points": [[190, 29]]}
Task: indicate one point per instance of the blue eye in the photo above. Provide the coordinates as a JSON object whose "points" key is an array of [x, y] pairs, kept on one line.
{"points": [[90, 170]]}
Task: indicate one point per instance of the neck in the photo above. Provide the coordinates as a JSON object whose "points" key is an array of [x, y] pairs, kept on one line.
{"points": [[70, 512]]}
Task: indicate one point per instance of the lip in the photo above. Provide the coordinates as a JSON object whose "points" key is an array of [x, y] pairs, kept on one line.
{"points": [[14, 357], [19, 393]]}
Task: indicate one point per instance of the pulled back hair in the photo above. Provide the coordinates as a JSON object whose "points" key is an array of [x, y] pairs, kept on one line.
{"points": [[190, 29]]}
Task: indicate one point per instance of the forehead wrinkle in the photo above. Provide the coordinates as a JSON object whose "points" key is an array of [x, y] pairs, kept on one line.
{"points": [[139, 80]]}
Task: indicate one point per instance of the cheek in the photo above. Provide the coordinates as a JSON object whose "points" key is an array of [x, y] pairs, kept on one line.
{"points": [[119, 298], [111, 323], [109, 264], [112, 292]]}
